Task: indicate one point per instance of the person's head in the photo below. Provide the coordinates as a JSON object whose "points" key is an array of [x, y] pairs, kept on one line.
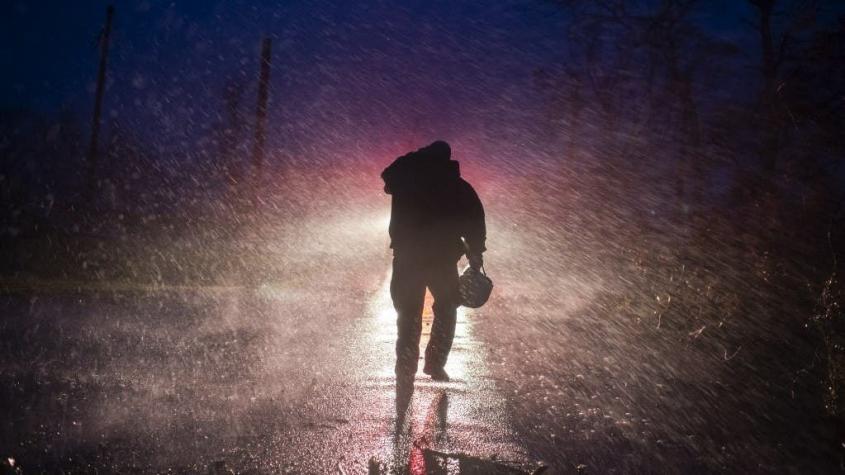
{"points": [[438, 150]]}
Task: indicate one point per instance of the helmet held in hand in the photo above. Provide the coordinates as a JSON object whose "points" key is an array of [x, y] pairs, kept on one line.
{"points": [[475, 287]]}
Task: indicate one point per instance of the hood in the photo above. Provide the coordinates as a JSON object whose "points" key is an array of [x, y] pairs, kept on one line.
{"points": [[427, 166], [438, 150]]}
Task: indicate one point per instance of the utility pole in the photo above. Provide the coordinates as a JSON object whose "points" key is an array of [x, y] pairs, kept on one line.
{"points": [[261, 116], [91, 181]]}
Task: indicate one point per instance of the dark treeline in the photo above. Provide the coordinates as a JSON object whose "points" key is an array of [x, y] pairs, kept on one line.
{"points": [[723, 157]]}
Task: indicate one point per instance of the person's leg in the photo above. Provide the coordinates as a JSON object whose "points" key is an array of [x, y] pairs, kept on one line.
{"points": [[442, 280], [407, 289]]}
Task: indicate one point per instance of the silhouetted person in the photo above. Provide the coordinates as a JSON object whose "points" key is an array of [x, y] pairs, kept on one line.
{"points": [[433, 208]]}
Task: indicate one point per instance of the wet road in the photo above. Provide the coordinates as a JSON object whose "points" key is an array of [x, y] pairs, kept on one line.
{"points": [[287, 376], [578, 361], [196, 377]]}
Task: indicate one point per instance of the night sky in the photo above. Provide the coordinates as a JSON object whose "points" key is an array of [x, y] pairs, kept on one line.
{"points": [[345, 75]]}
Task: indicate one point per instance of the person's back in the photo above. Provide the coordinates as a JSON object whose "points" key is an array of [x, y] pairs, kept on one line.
{"points": [[432, 206], [436, 217]]}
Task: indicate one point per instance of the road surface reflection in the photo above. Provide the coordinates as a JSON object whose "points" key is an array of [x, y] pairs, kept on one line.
{"points": [[454, 427]]}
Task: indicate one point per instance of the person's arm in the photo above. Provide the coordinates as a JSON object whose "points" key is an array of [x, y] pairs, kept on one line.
{"points": [[474, 229]]}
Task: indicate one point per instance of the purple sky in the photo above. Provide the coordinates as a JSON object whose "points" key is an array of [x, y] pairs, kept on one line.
{"points": [[344, 73]]}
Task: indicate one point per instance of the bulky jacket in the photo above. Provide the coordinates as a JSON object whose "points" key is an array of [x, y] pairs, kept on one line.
{"points": [[432, 206]]}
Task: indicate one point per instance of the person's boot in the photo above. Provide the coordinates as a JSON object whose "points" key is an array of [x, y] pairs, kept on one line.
{"points": [[437, 374]]}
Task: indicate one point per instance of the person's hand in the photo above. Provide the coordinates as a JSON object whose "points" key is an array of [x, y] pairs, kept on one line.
{"points": [[475, 260]]}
